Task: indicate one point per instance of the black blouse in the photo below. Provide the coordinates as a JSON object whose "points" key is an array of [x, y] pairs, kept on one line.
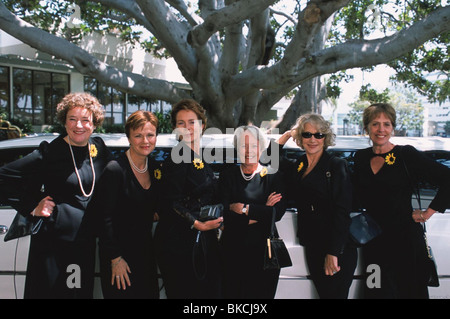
{"points": [[238, 234], [126, 210], [387, 194], [188, 183], [323, 199], [49, 170]]}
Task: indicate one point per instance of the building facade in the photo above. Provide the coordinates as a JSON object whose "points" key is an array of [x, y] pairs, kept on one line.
{"points": [[32, 83]]}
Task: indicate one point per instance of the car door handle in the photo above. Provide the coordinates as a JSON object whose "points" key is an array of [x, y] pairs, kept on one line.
{"points": [[3, 229]]}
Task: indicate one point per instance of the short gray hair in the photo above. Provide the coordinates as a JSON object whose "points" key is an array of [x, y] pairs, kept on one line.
{"points": [[255, 131]]}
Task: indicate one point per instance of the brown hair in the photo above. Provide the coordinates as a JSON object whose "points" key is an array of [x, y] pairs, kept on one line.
{"points": [[319, 123], [188, 105], [139, 119], [84, 100], [374, 110]]}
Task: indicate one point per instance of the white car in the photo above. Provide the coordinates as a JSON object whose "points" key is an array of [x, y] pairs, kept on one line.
{"points": [[294, 281]]}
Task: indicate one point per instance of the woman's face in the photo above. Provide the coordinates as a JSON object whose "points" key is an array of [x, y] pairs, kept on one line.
{"points": [[248, 148], [312, 145], [189, 126], [79, 125], [380, 130], [143, 139]]}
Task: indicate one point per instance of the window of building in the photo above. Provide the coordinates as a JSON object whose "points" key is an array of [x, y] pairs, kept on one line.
{"points": [[4, 90], [120, 105], [113, 100], [36, 95]]}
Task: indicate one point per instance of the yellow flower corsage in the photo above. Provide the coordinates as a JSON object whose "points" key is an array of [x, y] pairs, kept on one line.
{"points": [[93, 151], [300, 166], [157, 173], [198, 163], [263, 172], [390, 159]]}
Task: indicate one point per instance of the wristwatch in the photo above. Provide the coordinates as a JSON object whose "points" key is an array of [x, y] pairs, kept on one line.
{"points": [[244, 209]]}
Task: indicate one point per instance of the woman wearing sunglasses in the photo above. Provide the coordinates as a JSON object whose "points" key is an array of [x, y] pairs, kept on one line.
{"points": [[320, 187]]}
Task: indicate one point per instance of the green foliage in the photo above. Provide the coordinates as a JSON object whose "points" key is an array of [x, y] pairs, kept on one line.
{"points": [[447, 128], [165, 124], [409, 109], [364, 19]]}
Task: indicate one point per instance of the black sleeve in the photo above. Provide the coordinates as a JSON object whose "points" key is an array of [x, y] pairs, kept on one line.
{"points": [[341, 205], [104, 204], [424, 169], [261, 212], [231, 219], [21, 181], [174, 178]]}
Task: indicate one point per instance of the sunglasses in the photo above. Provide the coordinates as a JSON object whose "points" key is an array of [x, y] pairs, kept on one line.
{"points": [[316, 135]]}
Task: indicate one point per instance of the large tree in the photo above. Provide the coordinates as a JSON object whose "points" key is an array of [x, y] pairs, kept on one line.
{"points": [[225, 48]]}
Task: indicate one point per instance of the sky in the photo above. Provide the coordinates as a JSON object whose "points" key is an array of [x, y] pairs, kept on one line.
{"points": [[378, 80]]}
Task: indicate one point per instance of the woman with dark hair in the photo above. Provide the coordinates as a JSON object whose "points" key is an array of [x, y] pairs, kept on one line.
{"points": [[188, 183], [125, 202], [55, 184], [384, 178]]}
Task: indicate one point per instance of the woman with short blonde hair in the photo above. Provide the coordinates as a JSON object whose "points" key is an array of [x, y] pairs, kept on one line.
{"points": [[320, 123], [321, 189]]}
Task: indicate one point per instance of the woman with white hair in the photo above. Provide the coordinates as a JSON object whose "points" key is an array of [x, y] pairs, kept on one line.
{"points": [[249, 193], [320, 185]]}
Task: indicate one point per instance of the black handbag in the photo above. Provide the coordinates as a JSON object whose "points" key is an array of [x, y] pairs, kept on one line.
{"points": [[22, 226], [432, 274], [433, 278], [363, 228], [276, 255], [210, 212]]}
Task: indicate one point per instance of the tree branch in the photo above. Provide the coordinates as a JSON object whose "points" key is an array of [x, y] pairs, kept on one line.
{"points": [[228, 15], [86, 63], [172, 34], [351, 54]]}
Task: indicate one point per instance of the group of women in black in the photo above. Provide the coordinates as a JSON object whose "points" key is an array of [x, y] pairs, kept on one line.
{"points": [[81, 193]]}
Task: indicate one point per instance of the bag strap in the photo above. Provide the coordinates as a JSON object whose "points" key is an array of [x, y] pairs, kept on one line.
{"points": [[416, 191], [272, 226], [199, 249]]}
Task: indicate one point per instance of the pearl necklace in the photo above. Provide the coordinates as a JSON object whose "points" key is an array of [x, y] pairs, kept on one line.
{"points": [[78, 174], [248, 178], [137, 169]]}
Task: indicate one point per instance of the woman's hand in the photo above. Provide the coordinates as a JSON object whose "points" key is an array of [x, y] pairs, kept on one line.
{"points": [[273, 199], [331, 265], [119, 273], [44, 208], [285, 137], [237, 208], [420, 216], [209, 224]]}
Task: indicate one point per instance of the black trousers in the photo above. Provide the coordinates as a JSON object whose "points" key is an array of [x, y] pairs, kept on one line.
{"points": [[338, 285]]}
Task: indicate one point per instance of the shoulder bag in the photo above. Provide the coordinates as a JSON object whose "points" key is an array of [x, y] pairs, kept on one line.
{"points": [[363, 228]]}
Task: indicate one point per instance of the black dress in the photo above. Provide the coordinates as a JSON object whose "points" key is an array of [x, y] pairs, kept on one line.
{"points": [[64, 239], [126, 211], [244, 245], [187, 186], [400, 251], [323, 207]]}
